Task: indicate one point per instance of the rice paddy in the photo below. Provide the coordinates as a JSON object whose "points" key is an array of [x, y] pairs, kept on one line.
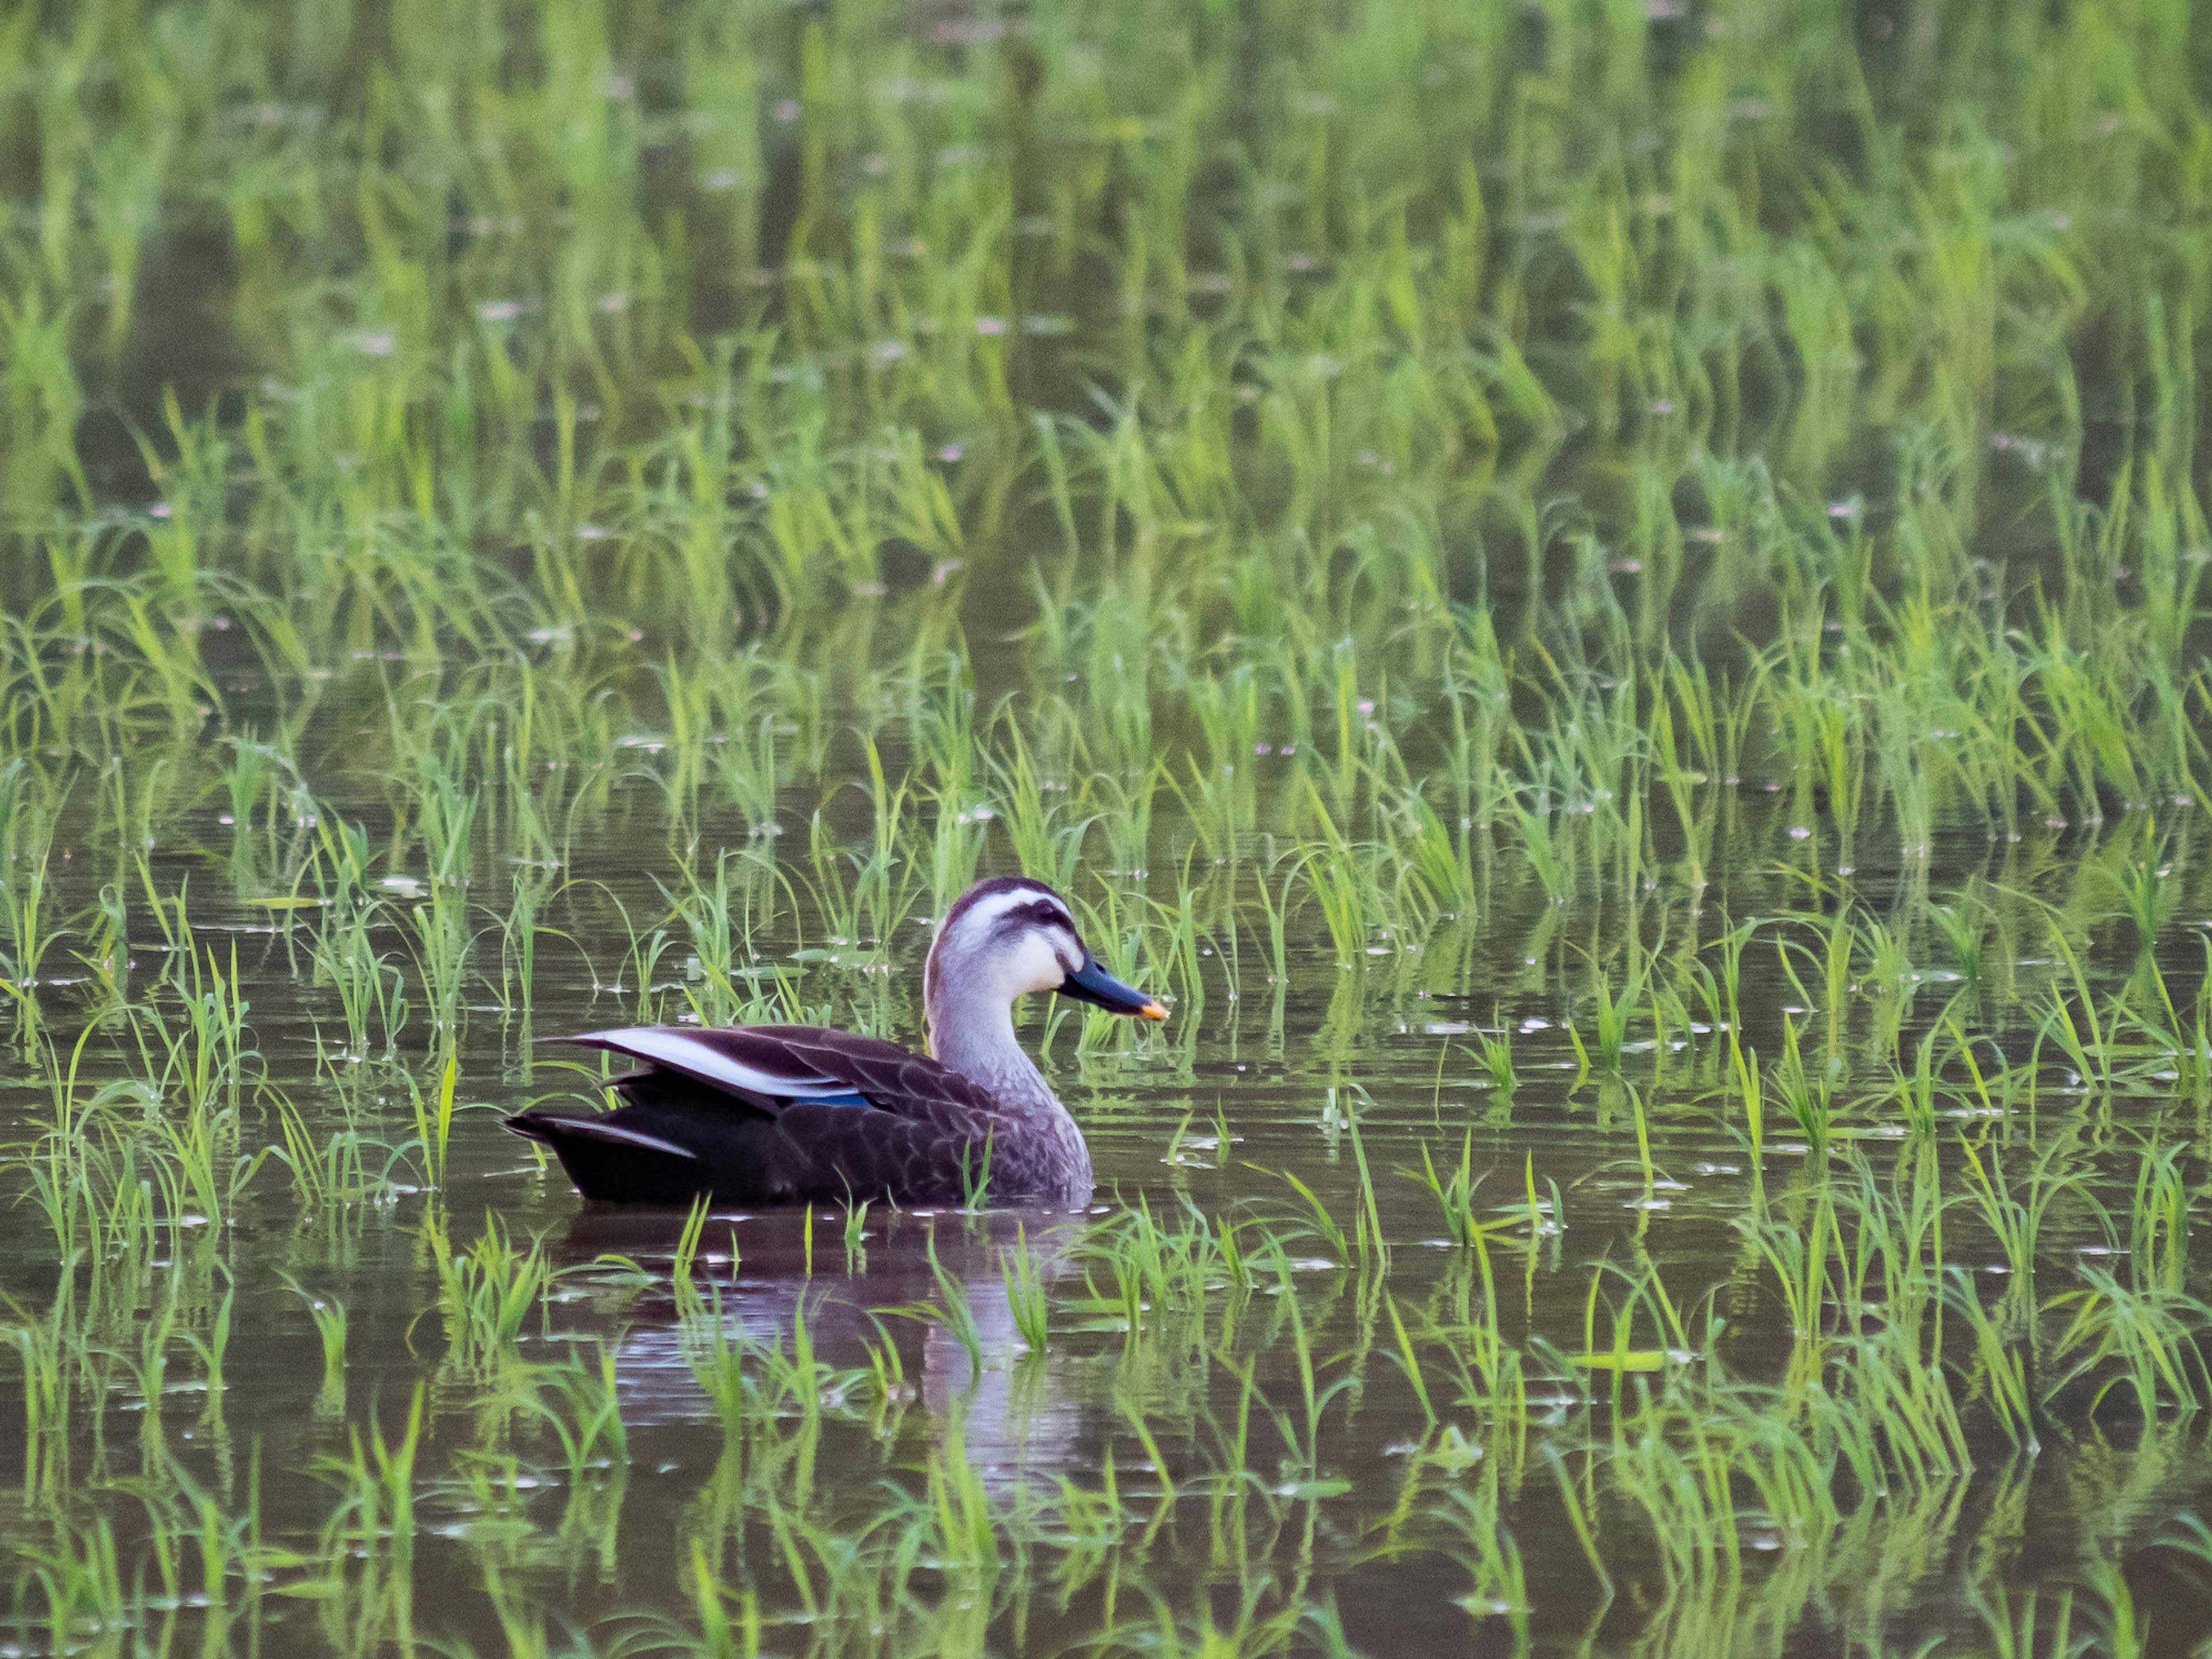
{"points": [[1604, 597]]}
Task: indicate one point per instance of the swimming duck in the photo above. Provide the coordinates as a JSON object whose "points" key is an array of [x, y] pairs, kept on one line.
{"points": [[798, 1113]]}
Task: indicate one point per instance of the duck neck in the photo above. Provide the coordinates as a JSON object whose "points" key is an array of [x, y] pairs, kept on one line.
{"points": [[978, 1041], [975, 1038]]}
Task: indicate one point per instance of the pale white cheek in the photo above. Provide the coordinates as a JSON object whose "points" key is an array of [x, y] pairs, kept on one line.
{"points": [[1032, 965]]}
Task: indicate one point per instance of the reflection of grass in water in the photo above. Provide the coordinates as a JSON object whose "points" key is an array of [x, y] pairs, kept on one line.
{"points": [[1760, 481]]}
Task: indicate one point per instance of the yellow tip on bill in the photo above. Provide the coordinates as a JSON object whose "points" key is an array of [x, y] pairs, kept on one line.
{"points": [[1151, 1010]]}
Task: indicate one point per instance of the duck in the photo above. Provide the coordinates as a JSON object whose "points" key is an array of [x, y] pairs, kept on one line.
{"points": [[745, 1115]]}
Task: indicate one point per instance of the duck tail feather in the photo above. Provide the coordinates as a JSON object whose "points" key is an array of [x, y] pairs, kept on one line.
{"points": [[550, 1129]]}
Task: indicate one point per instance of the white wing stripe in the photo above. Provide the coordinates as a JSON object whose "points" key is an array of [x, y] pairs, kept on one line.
{"points": [[681, 1053]]}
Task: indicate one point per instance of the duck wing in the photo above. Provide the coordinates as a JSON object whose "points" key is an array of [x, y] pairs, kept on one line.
{"points": [[774, 1068], [773, 1114]]}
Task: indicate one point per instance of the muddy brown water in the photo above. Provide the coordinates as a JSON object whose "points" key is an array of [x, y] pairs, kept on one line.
{"points": [[1205, 1119], [1280, 1067]]}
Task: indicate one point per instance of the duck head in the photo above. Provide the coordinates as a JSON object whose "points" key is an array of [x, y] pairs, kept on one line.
{"points": [[1005, 938]]}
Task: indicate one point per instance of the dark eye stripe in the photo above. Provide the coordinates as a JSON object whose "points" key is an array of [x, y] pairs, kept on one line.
{"points": [[1043, 914]]}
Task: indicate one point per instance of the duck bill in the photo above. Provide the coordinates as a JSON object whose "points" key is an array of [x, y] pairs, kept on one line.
{"points": [[1092, 984]]}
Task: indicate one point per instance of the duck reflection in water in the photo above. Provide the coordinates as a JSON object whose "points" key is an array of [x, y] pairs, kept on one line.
{"points": [[1020, 1417]]}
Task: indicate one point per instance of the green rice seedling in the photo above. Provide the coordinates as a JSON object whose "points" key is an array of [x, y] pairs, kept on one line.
{"points": [[1442, 867], [1171, 960], [519, 931], [1159, 1268], [330, 1316], [373, 1520], [370, 988], [1835, 935], [2143, 1340], [107, 954], [1275, 909], [22, 902], [1125, 1309], [726, 718], [80, 1580], [1491, 1378], [1125, 801], [434, 1120], [975, 1178], [683, 1287], [1454, 1193], [1407, 1358], [1916, 1092], [1887, 975], [2003, 1370], [487, 1293], [1683, 1491], [1800, 1258], [1248, 1625], [62, 1170], [641, 962], [2158, 1221], [796, 1382], [2145, 890], [1223, 806], [1477, 691], [1025, 1294], [49, 1351], [1370, 1235], [1497, 1046], [717, 1364], [856, 1254], [213, 1346], [718, 920], [446, 811], [583, 1413], [967, 1523], [729, 1622], [42, 401], [1962, 931], [260, 780], [1548, 848], [1720, 995], [1352, 760], [1822, 739], [1613, 1013], [2193, 1048], [1317, 1223], [1047, 840], [886, 1369], [2017, 1224], [1333, 883], [1680, 785], [1299, 1429], [148, 1365], [1498, 1586], [2076, 1030], [441, 946], [1806, 1095], [341, 1167], [205, 1061]]}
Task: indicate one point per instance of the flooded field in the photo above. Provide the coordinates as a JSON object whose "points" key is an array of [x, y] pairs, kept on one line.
{"points": [[1604, 599]]}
